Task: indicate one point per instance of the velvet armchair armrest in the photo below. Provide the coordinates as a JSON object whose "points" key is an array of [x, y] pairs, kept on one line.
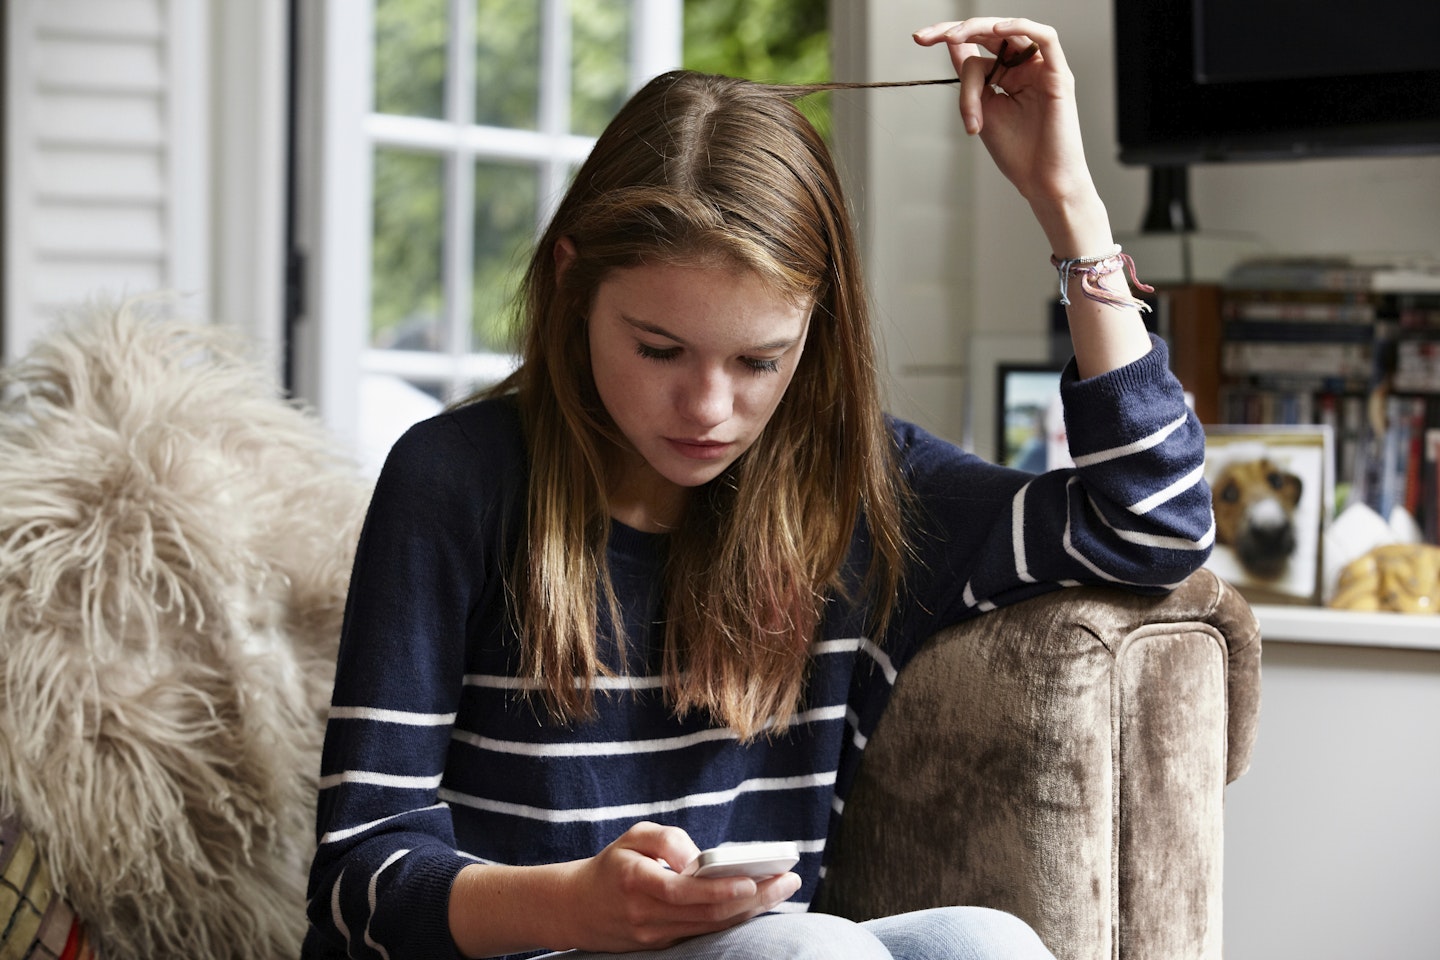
{"points": [[1063, 759]]}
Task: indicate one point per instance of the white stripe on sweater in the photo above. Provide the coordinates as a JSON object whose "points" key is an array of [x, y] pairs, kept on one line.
{"points": [[380, 715], [348, 832], [1155, 539], [1085, 561], [634, 811], [863, 645], [1017, 534], [853, 719], [492, 681], [1169, 493], [1125, 450], [372, 778], [371, 894], [619, 748], [968, 595], [336, 916]]}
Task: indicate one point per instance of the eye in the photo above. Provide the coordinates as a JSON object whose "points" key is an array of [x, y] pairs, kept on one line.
{"points": [[1230, 492], [761, 365], [656, 353], [1277, 482]]}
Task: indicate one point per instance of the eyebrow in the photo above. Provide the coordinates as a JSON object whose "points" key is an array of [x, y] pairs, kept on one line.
{"points": [[659, 331]]}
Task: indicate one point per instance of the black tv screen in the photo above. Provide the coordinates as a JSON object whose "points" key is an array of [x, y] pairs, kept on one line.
{"points": [[1200, 81]]}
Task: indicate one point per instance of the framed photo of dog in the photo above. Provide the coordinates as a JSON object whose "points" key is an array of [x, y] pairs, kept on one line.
{"points": [[1274, 491]]}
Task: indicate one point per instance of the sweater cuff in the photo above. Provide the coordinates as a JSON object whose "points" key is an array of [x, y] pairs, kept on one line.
{"points": [[428, 927], [1122, 404]]}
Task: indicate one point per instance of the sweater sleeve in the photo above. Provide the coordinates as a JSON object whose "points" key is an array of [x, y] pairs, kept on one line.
{"points": [[1134, 510], [386, 852]]}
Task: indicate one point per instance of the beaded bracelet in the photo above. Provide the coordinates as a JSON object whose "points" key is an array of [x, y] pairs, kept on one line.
{"points": [[1090, 270]]}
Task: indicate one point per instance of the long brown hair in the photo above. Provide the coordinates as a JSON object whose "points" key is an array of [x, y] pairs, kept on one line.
{"points": [[699, 169]]}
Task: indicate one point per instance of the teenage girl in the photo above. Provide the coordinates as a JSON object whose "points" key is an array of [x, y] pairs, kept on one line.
{"points": [[650, 594]]}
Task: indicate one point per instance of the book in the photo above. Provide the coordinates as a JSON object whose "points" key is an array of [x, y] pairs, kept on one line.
{"points": [[1335, 273], [1299, 330], [1342, 360], [1417, 366], [1429, 518], [1308, 306]]}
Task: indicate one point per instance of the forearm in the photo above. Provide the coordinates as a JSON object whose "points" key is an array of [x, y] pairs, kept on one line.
{"points": [[1104, 336], [495, 910]]}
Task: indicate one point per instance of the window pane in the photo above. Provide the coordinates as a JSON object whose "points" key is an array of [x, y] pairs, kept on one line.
{"points": [[600, 72], [505, 222], [410, 57], [781, 41], [507, 63], [407, 300]]}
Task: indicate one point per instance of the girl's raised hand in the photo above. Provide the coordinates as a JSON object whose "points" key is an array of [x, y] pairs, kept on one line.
{"points": [[1032, 129]]}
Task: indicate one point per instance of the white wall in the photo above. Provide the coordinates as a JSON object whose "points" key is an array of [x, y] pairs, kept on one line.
{"points": [[901, 153]]}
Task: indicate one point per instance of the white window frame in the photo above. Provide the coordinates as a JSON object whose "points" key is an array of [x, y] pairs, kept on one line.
{"points": [[338, 134]]}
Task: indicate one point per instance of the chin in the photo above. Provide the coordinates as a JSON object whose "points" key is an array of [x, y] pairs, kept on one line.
{"points": [[695, 476]]}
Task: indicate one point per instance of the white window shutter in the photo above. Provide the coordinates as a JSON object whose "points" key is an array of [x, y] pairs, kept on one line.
{"points": [[105, 158]]}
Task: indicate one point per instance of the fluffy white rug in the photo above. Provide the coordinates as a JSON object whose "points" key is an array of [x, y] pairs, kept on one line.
{"points": [[175, 543]]}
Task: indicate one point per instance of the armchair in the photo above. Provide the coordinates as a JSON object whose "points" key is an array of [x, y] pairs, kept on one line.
{"points": [[1064, 759]]}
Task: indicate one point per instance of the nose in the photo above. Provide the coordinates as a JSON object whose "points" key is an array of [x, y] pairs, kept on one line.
{"points": [[707, 399]]}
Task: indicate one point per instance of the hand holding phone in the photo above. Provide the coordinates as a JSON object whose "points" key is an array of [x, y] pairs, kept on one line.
{"points": [[757, 860]]}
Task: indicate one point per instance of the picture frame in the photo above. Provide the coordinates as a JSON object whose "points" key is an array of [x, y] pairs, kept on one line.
{"points": [[1029, 428], [1273, 489]]}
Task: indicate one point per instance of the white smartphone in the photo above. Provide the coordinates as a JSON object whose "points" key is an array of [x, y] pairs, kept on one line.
{"points": [[758, 860]]}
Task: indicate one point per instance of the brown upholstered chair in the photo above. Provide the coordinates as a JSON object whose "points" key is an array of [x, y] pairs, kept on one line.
{"points": [[1064, 759]]}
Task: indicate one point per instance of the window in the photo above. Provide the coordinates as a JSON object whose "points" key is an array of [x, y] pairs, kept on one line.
{"points": [[431, 180]]}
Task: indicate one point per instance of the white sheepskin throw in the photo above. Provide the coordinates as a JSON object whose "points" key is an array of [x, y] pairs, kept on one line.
{"points": [[175, 545]]}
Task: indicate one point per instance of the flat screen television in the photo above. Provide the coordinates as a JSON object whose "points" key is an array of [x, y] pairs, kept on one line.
{"points": [[1203, 81]]}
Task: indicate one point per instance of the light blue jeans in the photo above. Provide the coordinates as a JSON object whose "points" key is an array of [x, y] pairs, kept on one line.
{"points": [[944, 933]]}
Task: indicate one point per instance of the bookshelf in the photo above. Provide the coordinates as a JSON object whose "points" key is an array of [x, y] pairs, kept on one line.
{"points": [[1357, 347], [1352, 346]]}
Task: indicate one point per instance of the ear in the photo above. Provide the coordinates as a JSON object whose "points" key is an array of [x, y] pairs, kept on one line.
{"points": [[565, 254]]}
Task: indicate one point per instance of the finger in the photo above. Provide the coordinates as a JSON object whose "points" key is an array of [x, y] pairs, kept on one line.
{"points": [[944, 32], [961, 53], [1022, 32], [707, 891], [765, 894], [670, 845], [989, 32], [776, 890], [972, 89]]}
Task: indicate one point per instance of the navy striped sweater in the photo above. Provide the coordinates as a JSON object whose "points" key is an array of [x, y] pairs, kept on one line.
{"points": [[435, 758]]}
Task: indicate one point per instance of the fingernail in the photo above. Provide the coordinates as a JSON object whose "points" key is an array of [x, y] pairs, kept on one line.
{"points": [[785, 890], [972, 126]]}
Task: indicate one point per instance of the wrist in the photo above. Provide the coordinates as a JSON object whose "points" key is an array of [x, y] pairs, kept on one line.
{"points": [[497, 909], [1076, 227]]}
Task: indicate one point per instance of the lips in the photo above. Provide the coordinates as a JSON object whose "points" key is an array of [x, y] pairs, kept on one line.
{"points": [[700, 449]]}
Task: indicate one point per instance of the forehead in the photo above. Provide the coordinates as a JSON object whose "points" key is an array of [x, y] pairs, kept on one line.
{"points": [[702, 303]]}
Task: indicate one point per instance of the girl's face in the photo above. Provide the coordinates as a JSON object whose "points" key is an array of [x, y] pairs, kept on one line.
{"points": [[690, 362]]}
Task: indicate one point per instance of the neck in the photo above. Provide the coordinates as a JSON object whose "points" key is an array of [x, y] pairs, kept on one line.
{"points": [[641, 498]]}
